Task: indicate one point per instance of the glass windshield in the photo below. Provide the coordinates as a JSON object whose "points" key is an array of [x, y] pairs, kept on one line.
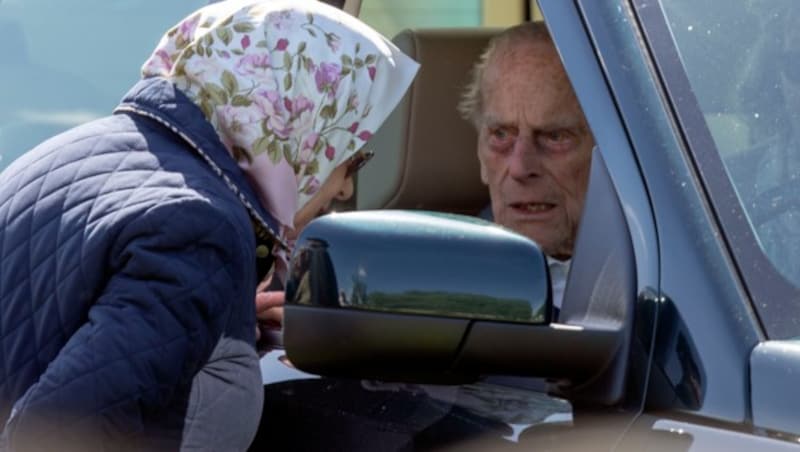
{"points": [[742, 62], [69, 61]]}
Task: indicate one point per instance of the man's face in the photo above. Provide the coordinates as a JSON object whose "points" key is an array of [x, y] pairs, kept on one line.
{"points": [[534, 146]]}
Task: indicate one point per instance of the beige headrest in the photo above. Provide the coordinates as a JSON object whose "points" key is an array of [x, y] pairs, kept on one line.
{"points": [[425, 153]]}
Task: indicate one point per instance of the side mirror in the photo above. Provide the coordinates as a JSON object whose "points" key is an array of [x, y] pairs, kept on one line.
{"points": [[420, 263], [430, 298]]}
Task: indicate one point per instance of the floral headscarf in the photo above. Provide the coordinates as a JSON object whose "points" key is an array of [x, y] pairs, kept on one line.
{"points": [[293, 88]]}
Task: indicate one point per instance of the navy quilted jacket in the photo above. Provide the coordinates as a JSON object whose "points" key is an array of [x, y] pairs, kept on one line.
{"points": [[127, 284]]}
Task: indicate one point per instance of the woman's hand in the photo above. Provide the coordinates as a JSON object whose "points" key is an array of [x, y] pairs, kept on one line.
{"points": [[269, 316], [269, 309]]}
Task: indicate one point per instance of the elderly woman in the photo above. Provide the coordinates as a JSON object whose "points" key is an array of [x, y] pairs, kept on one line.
{"points": [[130, 245]]}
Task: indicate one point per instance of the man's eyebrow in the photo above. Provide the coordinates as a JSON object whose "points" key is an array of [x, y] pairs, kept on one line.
{"points": [[493, 121], [562, 120], [554, 124], [565, 124]]}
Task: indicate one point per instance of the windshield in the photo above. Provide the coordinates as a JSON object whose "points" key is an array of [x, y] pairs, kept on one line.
{"points": [[741, 61], [69, 61]]}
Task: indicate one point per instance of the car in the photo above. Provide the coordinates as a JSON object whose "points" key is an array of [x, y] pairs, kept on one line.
{"points": [[423, 327], [408, 330]]}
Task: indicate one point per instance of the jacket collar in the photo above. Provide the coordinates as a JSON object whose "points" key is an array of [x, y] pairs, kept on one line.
{"points": [[158, 99]]}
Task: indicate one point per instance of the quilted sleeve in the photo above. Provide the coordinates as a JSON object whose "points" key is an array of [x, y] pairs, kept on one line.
{"points": [[177, 272]]}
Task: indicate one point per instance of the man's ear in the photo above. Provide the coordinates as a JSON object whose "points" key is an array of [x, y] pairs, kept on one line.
{"points": [[484, 173]]}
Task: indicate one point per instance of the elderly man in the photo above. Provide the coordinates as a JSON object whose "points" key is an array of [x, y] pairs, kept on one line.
{"points": [[534, 145]]}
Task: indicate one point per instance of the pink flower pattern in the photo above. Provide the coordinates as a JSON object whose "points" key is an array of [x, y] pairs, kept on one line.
{"points": [[311, 141], [327, 78], [252, 64], [278, 82]]}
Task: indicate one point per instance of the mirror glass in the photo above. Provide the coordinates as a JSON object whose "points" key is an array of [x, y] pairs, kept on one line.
{"points": [[419, 263]]}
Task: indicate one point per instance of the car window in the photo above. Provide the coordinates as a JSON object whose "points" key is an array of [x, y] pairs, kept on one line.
{"points": [[391, 17], [59, 73], [746, 86], [503, 406]]}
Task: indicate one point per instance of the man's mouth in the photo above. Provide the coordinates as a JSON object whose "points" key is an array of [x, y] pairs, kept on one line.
{"points": [[532, 207]]}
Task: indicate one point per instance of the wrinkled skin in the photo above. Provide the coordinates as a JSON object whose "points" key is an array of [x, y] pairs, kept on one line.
{"points": [[534, 146]]}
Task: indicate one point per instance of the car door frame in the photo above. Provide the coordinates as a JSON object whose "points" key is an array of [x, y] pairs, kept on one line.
{"points": [[612, 70]]}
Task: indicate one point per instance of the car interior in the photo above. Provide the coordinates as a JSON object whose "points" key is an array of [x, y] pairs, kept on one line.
{"points": [[426, 159], [425, 153]]}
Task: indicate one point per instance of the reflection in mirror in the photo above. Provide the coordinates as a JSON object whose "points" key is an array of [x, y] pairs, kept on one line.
{"points": [[419, 263]]}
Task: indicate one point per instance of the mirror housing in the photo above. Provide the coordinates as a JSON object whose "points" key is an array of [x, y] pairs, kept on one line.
{"points": [[392, 294], [429, 298]]}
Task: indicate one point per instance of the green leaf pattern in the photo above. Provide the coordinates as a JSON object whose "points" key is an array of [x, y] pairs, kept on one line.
{"points": [[281, 86]]}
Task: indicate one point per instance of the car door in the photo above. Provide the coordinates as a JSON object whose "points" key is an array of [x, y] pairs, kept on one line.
{"points": [[305, 412], [693, 90], [696, 325]]}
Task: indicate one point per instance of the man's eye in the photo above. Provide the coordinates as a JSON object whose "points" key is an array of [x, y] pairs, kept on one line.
{"points": [[500, 137], [557, 140], [556, 136], [500, 134]]}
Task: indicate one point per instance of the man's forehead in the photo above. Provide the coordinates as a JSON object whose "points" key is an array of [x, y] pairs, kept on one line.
{"points": [[536, 67], [529, 82], [556, 120], [541, 104], [529, 69], [534, 53]]}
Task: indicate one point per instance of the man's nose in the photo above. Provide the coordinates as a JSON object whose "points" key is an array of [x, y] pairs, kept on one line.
{"points": [[523, 161], [346, 192]]}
